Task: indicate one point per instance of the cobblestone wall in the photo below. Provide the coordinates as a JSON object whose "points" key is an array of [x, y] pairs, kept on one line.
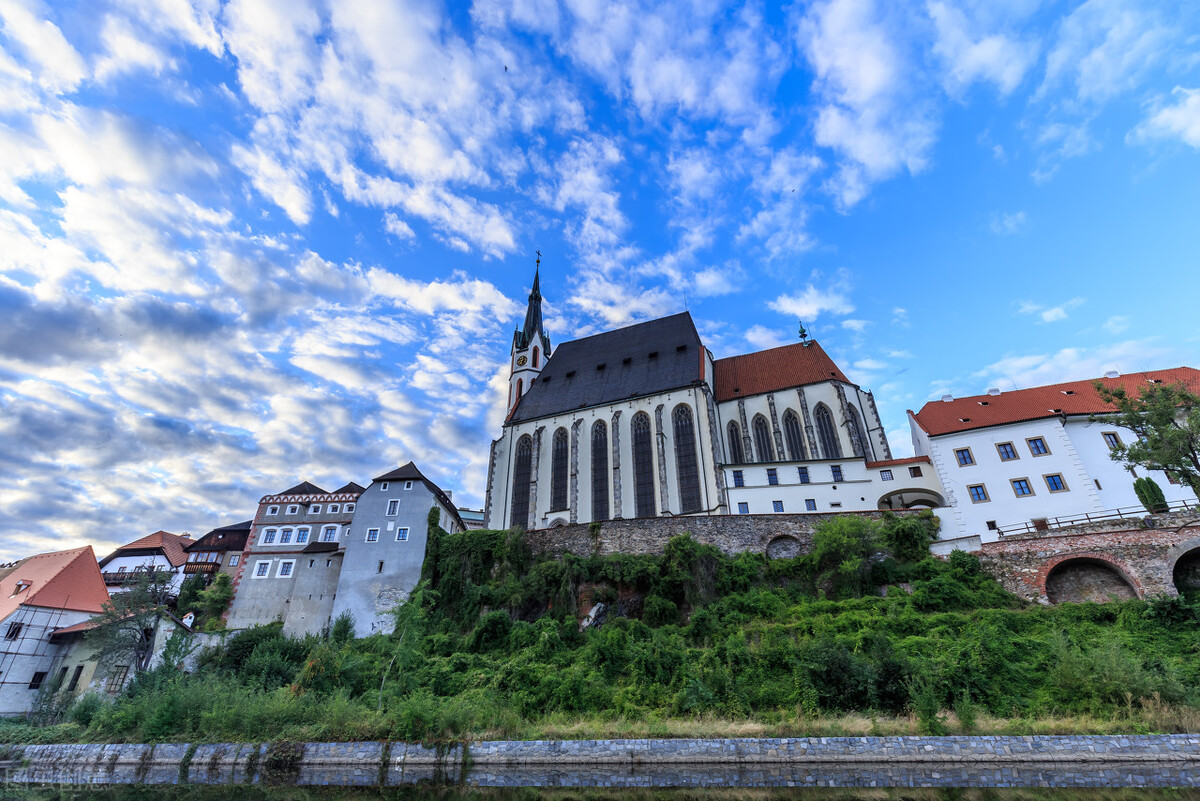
{"points": [[512, 762], [731, 533]]}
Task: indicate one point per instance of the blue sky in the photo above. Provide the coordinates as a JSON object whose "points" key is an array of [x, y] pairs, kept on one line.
{"points": [[248, 243]]}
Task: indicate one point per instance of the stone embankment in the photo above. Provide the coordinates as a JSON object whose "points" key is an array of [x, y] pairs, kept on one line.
{"points": [[498, 762]]}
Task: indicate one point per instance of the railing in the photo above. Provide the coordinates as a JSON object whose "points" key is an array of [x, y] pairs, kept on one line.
{"points": [[200, 567], [129, 576], [1125, 512]]}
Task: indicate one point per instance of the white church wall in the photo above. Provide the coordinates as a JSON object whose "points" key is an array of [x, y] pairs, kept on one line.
{"points": [[1115, 481], [861, 487]]}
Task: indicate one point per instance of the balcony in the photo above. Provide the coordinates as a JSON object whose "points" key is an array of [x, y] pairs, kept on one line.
{"points": [[200, 567]]}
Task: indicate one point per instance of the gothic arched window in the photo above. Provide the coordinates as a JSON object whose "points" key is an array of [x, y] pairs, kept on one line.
{"points": [[826, 433], [535, 356], [686, 464], [855, 429], [792, 436], [736, 453], [643, 466], [599, 471], [520, 384], [521, 472], [558, 471], [762, 439]]}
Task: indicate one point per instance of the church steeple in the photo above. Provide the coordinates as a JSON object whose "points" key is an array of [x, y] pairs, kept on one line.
{"points": [[531, 345]]}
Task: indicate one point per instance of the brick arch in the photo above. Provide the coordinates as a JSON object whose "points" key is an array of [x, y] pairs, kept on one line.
{"points": [[1175, 555], [1089, 556]]}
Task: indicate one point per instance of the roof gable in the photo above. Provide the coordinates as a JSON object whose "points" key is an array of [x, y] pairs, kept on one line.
{"points": [[226, 538], [643, 359], [1037, 403], [774, 369], [352, 488], [59, 580], [173, 547], [410, 472], [304, 488]]}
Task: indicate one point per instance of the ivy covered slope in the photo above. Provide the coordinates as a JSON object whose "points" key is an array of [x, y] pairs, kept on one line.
{"points": [[865, 628]]}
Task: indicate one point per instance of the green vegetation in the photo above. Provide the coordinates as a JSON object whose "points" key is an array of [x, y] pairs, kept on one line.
{"points": [[859, 636], [1166, 420], [1150, 495]]}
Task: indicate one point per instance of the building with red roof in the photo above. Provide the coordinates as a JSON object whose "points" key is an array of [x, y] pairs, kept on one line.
{"points": [[162, 553], [40, 595], [642, 421], [1032, 458]]}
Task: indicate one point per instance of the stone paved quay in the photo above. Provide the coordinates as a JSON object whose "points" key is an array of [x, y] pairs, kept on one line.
{"points": [[982, 761]]}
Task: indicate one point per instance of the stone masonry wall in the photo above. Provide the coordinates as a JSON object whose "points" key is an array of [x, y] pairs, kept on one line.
{"points": [[730, 533]]}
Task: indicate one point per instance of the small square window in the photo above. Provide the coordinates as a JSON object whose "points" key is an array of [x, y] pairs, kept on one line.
{"points": [[739, 478], [293, 509], [380, 568], [285, 569], [1007, 451], [261, 569], [383, 487], [1055, 483], [1112, 439], [349, 508], [301, 536], [233, 560], [772, 476], [978, 493], [1037, 446], [393, 507], [991, 525], [743, 508], [401, 535], [36, 682], [21, 587], [408, 485], [885, 475], [803, 473], [914, 472], [810, 504], [14, 631], [116, 678], [330, 534], [334, 508], [836, 471], [1021, 487], [272, 510], [964, 457], [372, 535], [777, 506], [268, 536], [315, 509]]}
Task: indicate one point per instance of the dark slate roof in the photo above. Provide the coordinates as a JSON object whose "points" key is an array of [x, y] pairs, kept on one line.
{"points": [[409, 472], [226, 538], [320, 547], [351, 487], [304, 488], [642, 359]]}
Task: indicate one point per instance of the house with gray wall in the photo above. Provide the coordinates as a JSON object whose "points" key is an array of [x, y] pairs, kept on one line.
{"points": [[289, 568], [385, 546]]}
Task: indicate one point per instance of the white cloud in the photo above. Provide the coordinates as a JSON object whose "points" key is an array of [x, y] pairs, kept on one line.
{"points": [[855, 325], [1116, 324], [60, 68], [1049, 314], [1180, 120], [126, 51], [714, 281], [870, 364], [973, 56], [397, 227], [1008, 224], [761, 338], [1071, 364], [812, 303]]}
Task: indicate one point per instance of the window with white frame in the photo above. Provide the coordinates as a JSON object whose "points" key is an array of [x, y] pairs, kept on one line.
{"points": [[301, 536], [772, 476], [285, 568], [334, 508], [777, 506], [739, 478], [349, 508], [234, 559], [885, 475], [372, 535], [268, 536], [272, 510], [810, 504], [402, 534], [329, 534], [408, 485], [262, 569], [285, 536], [293, 509], [383, 487], [835, 470], [802, 472], [393, 507], [314, 509]]}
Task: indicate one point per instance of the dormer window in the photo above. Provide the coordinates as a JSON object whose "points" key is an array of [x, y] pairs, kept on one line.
{"points": [[681, 349], [653, 354], [570, 374], [21, 587], [1068, 392], [628, 360], [272, 510], [600, 366], [315, 509]]}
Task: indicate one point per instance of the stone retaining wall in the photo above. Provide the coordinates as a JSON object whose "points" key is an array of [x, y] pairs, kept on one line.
{"points": [[370, 763]]}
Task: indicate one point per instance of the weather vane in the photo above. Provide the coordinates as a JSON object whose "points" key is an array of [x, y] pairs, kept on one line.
{"points": [[539, 257], [803, 333]]}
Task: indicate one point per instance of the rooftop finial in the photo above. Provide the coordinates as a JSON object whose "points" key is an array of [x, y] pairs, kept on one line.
{"points": [[539, 258], [803, 333]]}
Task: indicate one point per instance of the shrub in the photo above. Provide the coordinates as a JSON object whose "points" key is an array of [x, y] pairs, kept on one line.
{"points": [[1150, 495]]}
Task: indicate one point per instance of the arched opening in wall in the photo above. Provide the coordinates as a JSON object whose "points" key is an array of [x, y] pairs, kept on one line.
{"points": [[762, 439], [643, 466], [520, 386], [1186, 575], [855, 429], [911, 499], [792, 436], [686, 465], [558, 471], [736, 454], [521, 472], [599, 470], [783, 547], [536, 357], [1082, 580], [826, 433]]}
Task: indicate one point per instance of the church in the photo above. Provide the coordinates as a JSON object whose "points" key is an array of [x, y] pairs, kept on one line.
{"points": [[643, 422]]}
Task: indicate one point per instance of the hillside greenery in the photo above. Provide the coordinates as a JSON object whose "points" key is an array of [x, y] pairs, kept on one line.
{"points": [[687, 642]]}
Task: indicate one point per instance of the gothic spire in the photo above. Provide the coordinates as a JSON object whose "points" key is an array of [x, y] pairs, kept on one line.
{"points": [[533, 315]]}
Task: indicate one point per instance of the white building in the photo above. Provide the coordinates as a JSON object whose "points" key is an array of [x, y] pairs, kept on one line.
{"points": [[1030, 458], [162, 553], [644, 422]]}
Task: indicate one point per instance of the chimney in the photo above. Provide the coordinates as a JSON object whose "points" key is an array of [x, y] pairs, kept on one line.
{"points": [[1112, 374], [947, 398], [993, 391]]}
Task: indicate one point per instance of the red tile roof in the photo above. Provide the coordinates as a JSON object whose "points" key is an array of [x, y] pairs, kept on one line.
{"points": [[172, 546], [774, 369], [59, 580], [1036, 403]]}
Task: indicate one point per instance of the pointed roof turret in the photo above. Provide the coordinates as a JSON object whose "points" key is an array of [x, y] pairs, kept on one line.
{"points": [[524, 337]]}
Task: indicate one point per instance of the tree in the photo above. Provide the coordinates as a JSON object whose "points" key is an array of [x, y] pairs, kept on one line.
{"points": [[124, 631], [214, 600], [1150, 494], [1166, 420]]}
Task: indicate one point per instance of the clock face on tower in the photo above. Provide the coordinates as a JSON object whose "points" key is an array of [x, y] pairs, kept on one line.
{"points": [[521, 361]]}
